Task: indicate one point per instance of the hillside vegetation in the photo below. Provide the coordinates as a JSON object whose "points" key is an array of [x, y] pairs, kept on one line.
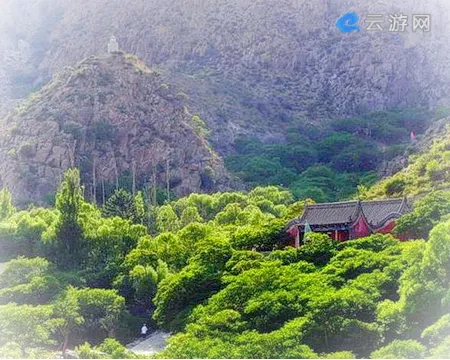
{"points": [[159, 190], [329, 163], [427, 171], [193, 265]]}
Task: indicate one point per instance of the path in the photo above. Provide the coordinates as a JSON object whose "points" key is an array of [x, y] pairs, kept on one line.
{"points": [[155, 343]]}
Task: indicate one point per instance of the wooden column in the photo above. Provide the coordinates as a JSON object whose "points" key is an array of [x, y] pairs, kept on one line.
{"points": [[297, 239]]}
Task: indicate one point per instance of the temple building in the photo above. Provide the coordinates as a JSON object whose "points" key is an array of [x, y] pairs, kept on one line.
{"points": [[348, 220]]}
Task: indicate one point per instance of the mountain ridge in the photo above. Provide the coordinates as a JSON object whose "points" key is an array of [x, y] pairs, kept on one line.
{"points": [[114, 115], [249, 67]]}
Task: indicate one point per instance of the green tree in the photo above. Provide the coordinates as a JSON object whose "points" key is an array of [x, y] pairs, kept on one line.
{"points": [[145, 280], [400, 349], [190, 215], [317, 183], [178, 293], [115, 350], [229, 215], [124, 205], [68, 317], [11, 350], [70, 244], [101, 310], [199, 126], [260, 170], [423, 288], [28, 230], [264, 236], [276, 195], [6, 204], [28, 326], [442, 350], [167, 219], [426, 214], [436, 333], [341, 319], [28, 281], [333, 144], [110, 240], [22, 270], [139, 204], [318, 248], [109, 349]]}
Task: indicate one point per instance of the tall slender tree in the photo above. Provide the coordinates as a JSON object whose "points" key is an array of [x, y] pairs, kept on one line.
{"points": [[168, 180], [69, 233], [6, 204]]}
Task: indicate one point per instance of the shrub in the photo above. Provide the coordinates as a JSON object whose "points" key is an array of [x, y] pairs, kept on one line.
{"points": [[400, 349], [395, 186]]}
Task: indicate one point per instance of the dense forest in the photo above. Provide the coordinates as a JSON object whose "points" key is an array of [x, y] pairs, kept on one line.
{"points": [[328, 163], [215, 271]]}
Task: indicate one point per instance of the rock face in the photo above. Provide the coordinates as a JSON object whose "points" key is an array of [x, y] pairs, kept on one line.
{"points": [[250, 67], [112, 117]]}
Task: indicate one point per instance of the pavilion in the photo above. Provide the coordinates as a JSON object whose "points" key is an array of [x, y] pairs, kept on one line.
{"points": [[348, 220]]}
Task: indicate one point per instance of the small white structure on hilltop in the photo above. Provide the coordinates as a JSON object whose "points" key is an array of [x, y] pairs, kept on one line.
{"points": [[113, 45]]}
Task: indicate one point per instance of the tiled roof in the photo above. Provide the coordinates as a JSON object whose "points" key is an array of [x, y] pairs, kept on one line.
{"points": [[329, 213], [376, 212]]}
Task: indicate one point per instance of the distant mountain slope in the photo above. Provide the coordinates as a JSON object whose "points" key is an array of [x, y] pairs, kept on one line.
{"points": [[250, 67], [112, 117], [426, 170]]}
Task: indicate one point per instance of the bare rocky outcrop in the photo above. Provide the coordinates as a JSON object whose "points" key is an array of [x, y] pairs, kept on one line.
{"points": [[112, 117]]}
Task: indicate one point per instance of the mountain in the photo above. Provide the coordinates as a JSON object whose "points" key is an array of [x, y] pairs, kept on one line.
{"points": [[116, 120], [250, 67], [427, 168]]}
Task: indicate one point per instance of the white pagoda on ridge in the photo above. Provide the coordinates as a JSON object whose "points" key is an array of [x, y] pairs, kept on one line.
{"points": [[113, 45]]}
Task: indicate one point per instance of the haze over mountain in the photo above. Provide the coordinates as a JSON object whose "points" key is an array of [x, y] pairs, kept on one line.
{"points": [[248, 67]]}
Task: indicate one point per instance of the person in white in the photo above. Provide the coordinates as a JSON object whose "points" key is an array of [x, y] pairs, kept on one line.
{"points": [[144, 330]]}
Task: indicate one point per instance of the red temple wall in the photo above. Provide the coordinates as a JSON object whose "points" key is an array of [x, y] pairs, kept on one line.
{"points": [[340, 235], [388, 229], [360, 228]]}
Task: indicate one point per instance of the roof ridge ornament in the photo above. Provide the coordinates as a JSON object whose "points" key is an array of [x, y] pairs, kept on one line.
{"points": [[404, 203]]}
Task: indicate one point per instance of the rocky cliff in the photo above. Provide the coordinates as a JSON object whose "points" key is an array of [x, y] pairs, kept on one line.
{"points": [[113, 117], [256, 67]]}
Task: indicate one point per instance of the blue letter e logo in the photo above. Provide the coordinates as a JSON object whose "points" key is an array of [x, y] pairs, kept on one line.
{"points": [[347, 23]]}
